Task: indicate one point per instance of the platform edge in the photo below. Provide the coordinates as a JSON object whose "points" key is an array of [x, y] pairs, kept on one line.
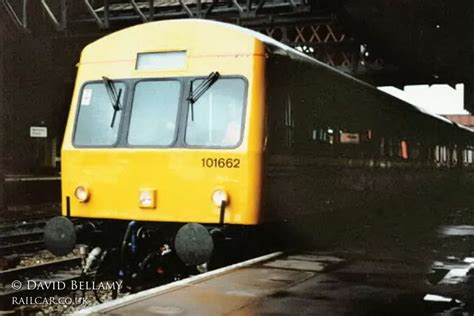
{"points": [[137, 297]]}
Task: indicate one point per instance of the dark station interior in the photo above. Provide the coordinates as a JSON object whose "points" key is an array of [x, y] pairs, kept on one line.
{"points": [[382, 42]]}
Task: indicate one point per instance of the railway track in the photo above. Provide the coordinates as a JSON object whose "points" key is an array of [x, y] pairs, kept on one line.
{"points": [[24, 282], [21, 237], [39, 270], [22, 225], [22, 248], [29, 212]]}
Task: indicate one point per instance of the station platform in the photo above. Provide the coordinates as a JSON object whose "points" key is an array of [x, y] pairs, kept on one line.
{"points": [[293, 284]]}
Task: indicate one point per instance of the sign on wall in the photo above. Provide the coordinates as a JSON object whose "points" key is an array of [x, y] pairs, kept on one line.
{"points": [[38, 131]]}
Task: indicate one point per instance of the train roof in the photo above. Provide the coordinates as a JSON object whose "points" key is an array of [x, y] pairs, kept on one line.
{"points": [[273, 47], [277, 47]]}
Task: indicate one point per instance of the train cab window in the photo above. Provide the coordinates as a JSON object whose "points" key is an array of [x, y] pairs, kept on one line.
{"points": [[154, 113], [97, 121], [216, 118]]}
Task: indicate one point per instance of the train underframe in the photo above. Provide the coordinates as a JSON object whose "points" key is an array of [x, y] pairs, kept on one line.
{"points": [[145, 254]]}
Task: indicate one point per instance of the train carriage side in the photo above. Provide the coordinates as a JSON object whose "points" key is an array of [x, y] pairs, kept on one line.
{"points": [[338, 149]]}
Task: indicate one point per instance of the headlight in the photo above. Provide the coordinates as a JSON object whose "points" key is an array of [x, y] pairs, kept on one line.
{"points": [[82, 194], [147, 198], [220, 196]]}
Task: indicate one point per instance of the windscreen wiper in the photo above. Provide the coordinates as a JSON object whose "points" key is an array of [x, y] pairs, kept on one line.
{"points": [[194, 95], [114, 97]]}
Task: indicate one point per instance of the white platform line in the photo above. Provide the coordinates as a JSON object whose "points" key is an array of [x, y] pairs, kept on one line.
{"points": [[137, 297]]}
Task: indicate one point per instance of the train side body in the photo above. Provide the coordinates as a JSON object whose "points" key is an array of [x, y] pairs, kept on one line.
{"points": [[342, 155]]}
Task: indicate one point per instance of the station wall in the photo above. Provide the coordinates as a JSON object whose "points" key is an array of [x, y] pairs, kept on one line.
{"points": [[39, 74], [2, 118]]}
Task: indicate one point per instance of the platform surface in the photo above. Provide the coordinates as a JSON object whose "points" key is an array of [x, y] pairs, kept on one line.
{"points": [[298, 284]]}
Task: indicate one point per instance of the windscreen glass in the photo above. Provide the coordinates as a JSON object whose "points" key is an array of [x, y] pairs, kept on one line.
{"points": [[216, 118], [98, 118], [154, 113]]}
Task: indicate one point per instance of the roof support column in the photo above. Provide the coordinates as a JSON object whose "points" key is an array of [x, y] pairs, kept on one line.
{"points": [[3, 113]]}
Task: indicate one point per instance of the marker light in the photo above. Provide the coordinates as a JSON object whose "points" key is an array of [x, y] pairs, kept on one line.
{"points": [[82, 194], [147, 198], [220, 196]]}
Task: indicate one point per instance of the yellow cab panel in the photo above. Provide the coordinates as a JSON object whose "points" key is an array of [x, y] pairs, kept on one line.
{"points": [[173, 179]]}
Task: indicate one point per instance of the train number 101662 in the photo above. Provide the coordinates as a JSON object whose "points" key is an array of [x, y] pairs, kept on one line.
{"points": [[220, 163]]}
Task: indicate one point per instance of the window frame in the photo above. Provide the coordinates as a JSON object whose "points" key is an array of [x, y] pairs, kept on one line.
{"points": [[119, 122], [186, 106]]}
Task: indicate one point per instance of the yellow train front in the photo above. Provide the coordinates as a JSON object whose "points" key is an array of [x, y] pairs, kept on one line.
{"points": [[159, 132]]}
